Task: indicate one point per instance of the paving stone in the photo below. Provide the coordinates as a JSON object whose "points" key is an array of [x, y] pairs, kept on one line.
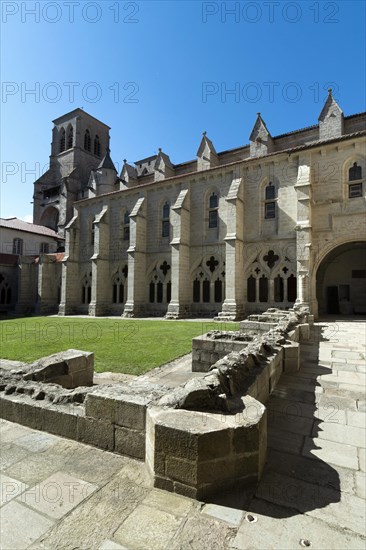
{"points": [[339, 433], [11, 432], [110, 545], [33, 526], [349, 355], [147, 528], [202, 532], [229, 515], [331, 452], [10, 488], [168, 502], [286, 441], [360, 484], [280, 528], [36, 442], [94, 465], [10, 454], [97, 518], [290, 423], [362, 459], [57, 495]]}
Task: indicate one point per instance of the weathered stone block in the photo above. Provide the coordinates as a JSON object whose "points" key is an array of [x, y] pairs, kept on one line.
{"points": [[96, 432], [129, 442]]}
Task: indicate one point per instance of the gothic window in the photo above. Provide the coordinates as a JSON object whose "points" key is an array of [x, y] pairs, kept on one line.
{"points": [[126, 226], [97, 146], [213, 214], [44, 248], [18, 246], [355, 175], [87, 141], [263, 289], [196, 291], [355, 172], [168, 291], [152, 293], [278, 289], [165, 223], [218, 290], [251, 292], [70, 137], [62, 140], [291, 288], [159, 292], [206, 291], [269, 203], [5, 291], [86, 289]]}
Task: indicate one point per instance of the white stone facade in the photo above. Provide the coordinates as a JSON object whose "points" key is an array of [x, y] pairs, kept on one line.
{"points": [[224, 235]]}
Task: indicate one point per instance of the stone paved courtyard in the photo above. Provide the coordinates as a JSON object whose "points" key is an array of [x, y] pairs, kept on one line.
{"points": [[57, 493]]}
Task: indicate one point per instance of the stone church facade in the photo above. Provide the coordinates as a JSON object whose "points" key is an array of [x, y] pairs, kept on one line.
{"points": [[270, 224]]}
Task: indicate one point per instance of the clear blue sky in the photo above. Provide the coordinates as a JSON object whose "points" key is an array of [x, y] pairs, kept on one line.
{"points": [[280, 57]]}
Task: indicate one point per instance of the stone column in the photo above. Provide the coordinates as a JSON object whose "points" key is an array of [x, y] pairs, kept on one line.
{"points": [[70, 285], [101, 281], [27, 285], [233, 306], [137, 287], [179, 306], [47, 285], [303, 230]]}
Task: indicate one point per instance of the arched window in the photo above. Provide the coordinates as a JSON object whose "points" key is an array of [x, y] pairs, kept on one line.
{"points": [[218, 290], [291, 288], [152, 292], [168, 291], [97, 146], [251, 291], [196, 291], [86, 289], [119, 283], [278, 289], [126, 226], [206, 291], [213, 213], [87, 141], [165, 222], [70, 137], [18, 246], [355, 174], [269, 201], [62, 140], [5, 291], [263, 289]]}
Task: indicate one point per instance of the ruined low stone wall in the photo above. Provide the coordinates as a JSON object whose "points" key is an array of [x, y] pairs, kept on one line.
{"points": [[210, 347], [200, 438]]}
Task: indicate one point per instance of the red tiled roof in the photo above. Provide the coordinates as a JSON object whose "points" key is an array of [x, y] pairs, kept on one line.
{"points": [[20, 225]]}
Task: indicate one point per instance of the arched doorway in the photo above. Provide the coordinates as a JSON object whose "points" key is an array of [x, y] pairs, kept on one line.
{"points": [[50, 218], [341, 280]]}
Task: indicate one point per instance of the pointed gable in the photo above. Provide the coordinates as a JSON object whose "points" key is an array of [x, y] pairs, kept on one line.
{"points": [[128, 175], [163, 168], [106, 162], [206, 154], [261, 142], [331, 119]]}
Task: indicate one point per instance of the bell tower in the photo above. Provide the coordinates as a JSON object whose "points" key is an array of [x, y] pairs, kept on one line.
{"points": [[79, 142]]}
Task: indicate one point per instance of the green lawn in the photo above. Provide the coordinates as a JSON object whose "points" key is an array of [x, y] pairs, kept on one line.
{"points": [[131, 347]]}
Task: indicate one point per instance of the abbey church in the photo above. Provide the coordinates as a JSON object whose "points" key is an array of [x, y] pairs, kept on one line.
{"points": [[277, 222]]}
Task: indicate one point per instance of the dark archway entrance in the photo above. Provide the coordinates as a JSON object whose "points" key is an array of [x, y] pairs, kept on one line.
{"points": [[50, 218], [341, 280]]}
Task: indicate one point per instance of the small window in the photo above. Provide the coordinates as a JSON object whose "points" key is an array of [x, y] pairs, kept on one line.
{"points": [[270, 192], [70, 137], [269, 210], [355, 172], [251, 289], [62, 140], [18, 246], [213, 216], [196, 291], [206, 291], [165, 224], [87, 141], [92, 232], [355, 190], [44, 248], [97, 146], [212, 219]]}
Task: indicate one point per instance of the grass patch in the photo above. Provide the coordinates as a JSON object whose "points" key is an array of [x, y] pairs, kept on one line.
{"points": [[130, 347]]}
